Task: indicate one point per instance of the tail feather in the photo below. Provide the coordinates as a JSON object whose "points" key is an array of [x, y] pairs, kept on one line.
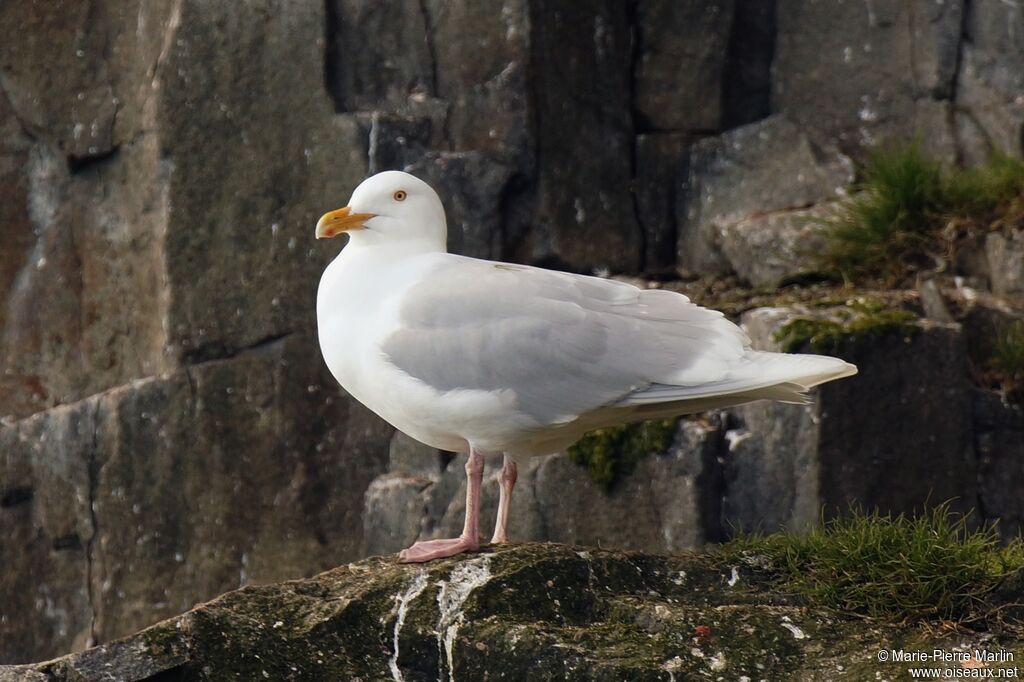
{"points": [[759, 376]]}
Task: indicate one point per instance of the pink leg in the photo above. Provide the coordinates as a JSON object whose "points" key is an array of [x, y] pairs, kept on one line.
{"points": [[509, 473], [470, 538]]}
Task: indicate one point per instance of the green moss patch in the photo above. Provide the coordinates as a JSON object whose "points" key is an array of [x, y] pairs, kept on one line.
{"points": [[857, 318], [612, 453]]}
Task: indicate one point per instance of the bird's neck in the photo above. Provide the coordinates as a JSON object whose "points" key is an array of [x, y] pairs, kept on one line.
{"points": [[356, 275], [362, 260], [369, 244]]}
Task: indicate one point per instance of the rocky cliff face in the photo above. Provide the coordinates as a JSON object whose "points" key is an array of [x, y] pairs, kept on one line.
{"points": [[169, 431], [523, 612]]}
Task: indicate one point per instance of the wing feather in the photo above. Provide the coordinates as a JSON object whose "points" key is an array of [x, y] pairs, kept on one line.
{"points": [[563, 344]]}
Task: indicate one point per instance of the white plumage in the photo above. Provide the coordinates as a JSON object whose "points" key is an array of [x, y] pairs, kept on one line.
{"points": [[472, 355]]}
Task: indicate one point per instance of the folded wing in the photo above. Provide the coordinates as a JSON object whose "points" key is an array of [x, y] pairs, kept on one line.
{"points": [[566, 345]]}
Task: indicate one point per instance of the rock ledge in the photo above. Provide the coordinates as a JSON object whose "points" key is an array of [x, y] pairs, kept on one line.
{"points": [[532, 611]]}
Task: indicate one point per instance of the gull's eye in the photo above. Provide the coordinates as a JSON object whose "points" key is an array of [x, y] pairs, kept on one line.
{"points": [[399, 195]]}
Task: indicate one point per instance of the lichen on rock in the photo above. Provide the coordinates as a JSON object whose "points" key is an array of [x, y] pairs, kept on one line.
{"points": [[856, 318]]}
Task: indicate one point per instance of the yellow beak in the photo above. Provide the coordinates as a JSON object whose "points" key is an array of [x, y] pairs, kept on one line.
{"points": [[333, 223]]}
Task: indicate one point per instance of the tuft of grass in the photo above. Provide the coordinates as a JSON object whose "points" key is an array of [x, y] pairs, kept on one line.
{"points": [[896, 222], [878, 227], [1008, 358], [1007, 362], [900, 568], [858, 318], [977, 190], [612, 453]]}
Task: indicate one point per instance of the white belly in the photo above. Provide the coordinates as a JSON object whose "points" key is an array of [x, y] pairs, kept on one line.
{"points": [[451, 420], [353, 319]]}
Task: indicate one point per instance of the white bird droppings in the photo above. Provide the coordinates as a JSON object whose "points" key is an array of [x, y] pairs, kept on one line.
{"points": [[734, 576], [797, 632], [454, 592], [736, 436], [418, 584]]}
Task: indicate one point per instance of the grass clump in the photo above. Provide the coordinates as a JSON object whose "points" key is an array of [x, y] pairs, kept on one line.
{"points": [[977, 190], [1007, 361], [612, 453], [1008, 358], [908, 213], [899, 568], [859, 317]]}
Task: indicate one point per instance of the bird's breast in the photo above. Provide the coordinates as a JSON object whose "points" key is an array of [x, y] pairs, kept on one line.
{"points": [[358, 305]]}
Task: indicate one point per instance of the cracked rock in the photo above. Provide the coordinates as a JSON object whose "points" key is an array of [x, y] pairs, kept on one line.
{"points": [[160, 493]]}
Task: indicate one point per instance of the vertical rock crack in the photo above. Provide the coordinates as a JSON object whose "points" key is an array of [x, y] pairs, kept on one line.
{"points": [[92, 482]]}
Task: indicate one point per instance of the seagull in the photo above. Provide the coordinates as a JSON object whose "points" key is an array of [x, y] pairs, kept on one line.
{"points": [[487, 358]]}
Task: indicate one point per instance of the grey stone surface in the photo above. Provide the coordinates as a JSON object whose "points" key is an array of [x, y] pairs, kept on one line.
{"points": [[762, 324], [856, 72], [473, 186], [1005, 253], [77, 74], [94, 265], [680, 68], [935, 126], [999, 439], [661, 171], [767, 247], [377, 54], [47, 528], [22, 674], [74, 98], [664, 503], [990, 81], [198, 168], [394, 141], [251, 174], [670, 502], [863, 440], [772, 470], [15, 190], [765, 166], [985, 319], [747, 84], [584, 215], [167, 191], [933, 301], [132, 660], [482, 52], [406, 455], [993, 33], [393, 513]]}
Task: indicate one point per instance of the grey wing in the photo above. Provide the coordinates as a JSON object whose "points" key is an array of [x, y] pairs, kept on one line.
{"points": [[563, 344]]}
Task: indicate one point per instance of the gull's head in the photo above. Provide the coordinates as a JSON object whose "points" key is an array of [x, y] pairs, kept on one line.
{"points": [[389, 207]]}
